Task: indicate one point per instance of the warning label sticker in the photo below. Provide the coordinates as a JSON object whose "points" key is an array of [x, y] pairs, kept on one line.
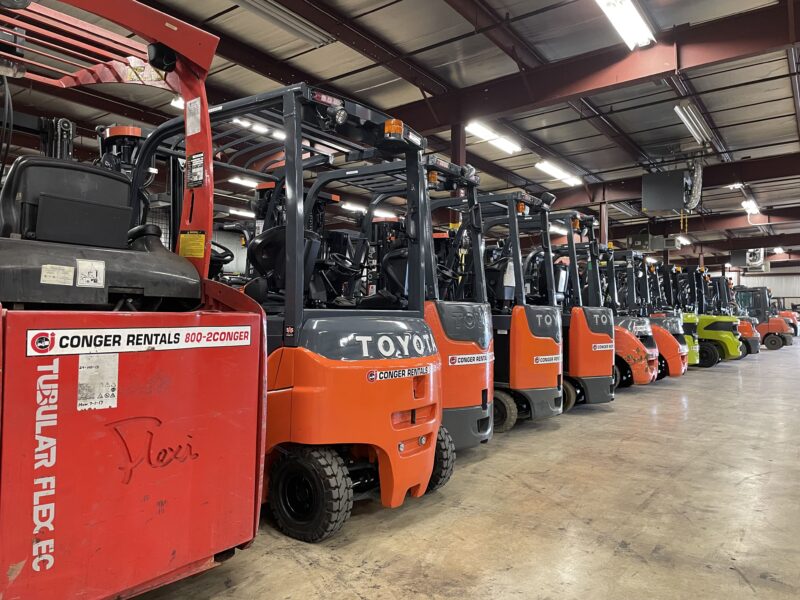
{"points": [[91, 273], [459, 360], [61, 342], [602, 347], [547, 360], [193, 109], [57, 275], [386, 375], [192, 244], [98, 378]]}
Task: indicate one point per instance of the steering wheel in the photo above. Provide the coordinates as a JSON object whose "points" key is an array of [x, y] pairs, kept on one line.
{"points": [[342, 263], [221, 254], [446, 273]]}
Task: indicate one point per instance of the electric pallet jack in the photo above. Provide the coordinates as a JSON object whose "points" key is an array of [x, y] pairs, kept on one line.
{"points": [[132, 401], [354, 394], [527, 338], [775, 331]]}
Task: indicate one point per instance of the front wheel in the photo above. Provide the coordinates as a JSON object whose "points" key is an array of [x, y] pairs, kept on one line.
{"points": [[310, 493], [569, 396], [773, 342], [444, 460], [709, 355], [663, 368], [505, 411]]}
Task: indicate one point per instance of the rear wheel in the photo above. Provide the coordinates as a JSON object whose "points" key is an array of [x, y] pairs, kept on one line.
{"points": [[504, 410], [624, 378], [310, 493], [569, 396], [444, 460], [773, 342], [709, 355], [663, 367]]}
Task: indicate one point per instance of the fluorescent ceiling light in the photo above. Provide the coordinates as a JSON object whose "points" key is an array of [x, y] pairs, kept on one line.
{"points": [[557, 172], [651, 261], [278, 135], [242, 213], [628, 22], [779, 250], [683, 240], [242, 123], [177, 102], [285, 19], [728, 265], [244, 182], [353, 207], [751, 207], [260, 129], [736, 186], [694, 122], [494, 138], [558, 229], [383, 214]]}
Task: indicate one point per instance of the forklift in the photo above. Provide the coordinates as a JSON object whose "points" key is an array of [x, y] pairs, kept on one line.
{"points": [[132, 404], [335, 347], [790, 314], [723, 304], [456, 308], [755, 302], [527, 338], [663, 311], [634, 284], [718, 334]]}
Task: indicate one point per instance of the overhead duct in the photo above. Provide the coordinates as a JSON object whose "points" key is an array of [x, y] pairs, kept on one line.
{"points": [[288, 21]]}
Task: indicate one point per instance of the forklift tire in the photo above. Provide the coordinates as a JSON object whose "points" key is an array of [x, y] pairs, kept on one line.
{"points": [[663, 368], [709, 355], [773, 342], [743, 351], [505, 412], [623, 376], [569, 396], [444, 460], [310, 493], [617, 377]]}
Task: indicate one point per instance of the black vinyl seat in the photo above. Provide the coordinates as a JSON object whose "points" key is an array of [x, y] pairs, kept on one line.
{"points": [[394, 266]]}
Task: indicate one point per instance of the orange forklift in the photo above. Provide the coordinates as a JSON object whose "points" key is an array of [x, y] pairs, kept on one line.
{"points": [[552, 278], [354, 398], [527, 338], [636, 351], [755, 302], [132, 404]]}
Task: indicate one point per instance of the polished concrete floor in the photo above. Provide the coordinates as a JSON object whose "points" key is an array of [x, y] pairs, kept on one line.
{"points": [[689, 488]]}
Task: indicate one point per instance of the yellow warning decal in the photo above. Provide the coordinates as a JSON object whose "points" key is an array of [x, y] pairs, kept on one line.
{"points": [[192, 244]]}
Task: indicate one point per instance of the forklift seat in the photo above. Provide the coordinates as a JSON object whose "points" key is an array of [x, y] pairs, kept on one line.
{"points": [[267, 253], [55, 200], [394, 266]]}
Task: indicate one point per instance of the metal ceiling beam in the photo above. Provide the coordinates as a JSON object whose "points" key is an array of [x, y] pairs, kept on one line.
{"points": [[699, 224], [714, 176], [793, 260], [748, 34], [787, 240], [793, 54]]}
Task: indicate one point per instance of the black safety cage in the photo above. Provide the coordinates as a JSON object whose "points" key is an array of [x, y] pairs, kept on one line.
{"points": [[309, 130]]}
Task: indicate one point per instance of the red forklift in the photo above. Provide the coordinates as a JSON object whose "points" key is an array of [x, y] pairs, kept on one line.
{"points": [[755, 302], [456, 308], [354, 392], [132, 402], [552, 278]]}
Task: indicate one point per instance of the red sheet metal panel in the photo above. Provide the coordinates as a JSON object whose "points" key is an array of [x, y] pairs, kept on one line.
{"points": [[129, 450]]}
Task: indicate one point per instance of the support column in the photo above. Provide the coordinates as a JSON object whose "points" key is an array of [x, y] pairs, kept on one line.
{"points": [[604, 223]]}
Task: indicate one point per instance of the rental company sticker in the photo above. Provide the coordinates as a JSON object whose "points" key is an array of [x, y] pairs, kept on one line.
{"points": [[91, 273], [61, 342], [547, 360], [602, 347], [459, 360], [389, 374], [57, 275], [98, 381]]}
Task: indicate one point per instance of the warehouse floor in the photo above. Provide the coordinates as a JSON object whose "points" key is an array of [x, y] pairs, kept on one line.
{"points": [[686, 489]]}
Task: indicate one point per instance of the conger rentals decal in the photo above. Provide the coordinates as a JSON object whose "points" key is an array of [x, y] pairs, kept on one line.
{"points": [[60, 342], [547, 360], [602, 347], [459, 360], [389, 374]]}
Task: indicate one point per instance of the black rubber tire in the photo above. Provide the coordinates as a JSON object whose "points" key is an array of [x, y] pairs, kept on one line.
{"points": [[617, 377], [709, 355], [310, 493], [504, 411], [444, 460], [663, 368], [745, 350], [625, 374], [569, 396], [773, 342]]}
